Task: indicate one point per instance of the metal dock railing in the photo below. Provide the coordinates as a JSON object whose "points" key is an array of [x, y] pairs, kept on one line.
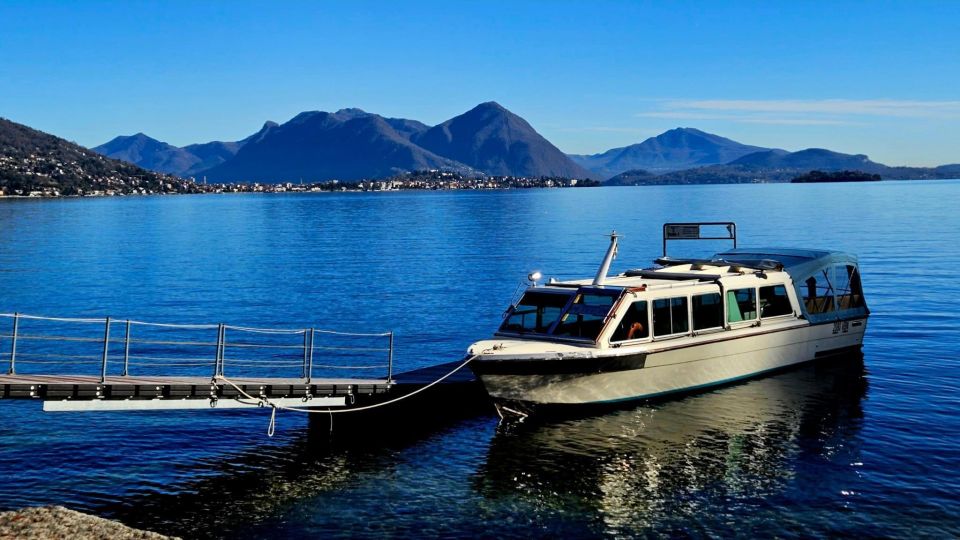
{"points": [[108, 359]]}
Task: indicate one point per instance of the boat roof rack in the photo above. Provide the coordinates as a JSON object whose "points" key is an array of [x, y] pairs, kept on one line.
{"points": [[676, 276], [750, 264], [670, 261], [757, 264]]}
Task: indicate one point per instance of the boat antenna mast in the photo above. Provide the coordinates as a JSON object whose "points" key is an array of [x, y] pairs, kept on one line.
{"points": [[601, 276]]}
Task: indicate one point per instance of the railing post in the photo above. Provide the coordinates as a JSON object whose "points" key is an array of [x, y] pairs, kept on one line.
{"points": [[390, 360], [126, 350], [106, 349], [219, 355], [310, 359], [223, 350], [13, 345], [303, 368]]}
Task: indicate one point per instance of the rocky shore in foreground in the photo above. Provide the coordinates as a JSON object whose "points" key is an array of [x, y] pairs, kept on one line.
{"points": [[59, 522]]}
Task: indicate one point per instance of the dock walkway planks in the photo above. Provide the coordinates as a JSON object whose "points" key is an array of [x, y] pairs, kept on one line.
{"points": [[52, 387], [456, 393]]}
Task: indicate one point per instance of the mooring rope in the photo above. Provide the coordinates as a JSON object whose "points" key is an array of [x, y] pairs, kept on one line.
{"points": [[264, 401]]}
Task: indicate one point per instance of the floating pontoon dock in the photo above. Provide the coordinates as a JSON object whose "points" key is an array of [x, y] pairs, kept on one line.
{"points": [[74, 364], [79, 393]]}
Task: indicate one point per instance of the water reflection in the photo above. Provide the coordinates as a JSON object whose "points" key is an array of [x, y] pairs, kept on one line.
{"points": [[666, 467], [227, 495], [675, 461], [227, 491]]}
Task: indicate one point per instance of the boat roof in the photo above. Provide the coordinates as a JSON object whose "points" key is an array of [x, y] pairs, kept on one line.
{"points": [[795, 261], [740, 262]]}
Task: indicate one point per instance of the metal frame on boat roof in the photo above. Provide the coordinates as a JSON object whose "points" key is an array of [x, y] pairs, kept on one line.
{"points": [[752, 264], [691, 231], [678, 276]]}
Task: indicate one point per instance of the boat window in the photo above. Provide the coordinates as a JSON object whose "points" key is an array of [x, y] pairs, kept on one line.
{"points": [[585, 317], [670, 316], [635, 323], [774, 301], [849, 292], [741, 305], [818, 292], [707, 311], [535, 312]]}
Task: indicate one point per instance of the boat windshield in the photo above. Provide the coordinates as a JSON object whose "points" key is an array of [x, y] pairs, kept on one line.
{"points": [[536, 312], [578, 315], [585, 316]]}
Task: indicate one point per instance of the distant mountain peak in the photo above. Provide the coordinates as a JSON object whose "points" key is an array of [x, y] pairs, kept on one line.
{"points": [[350, 113], [675, 149], [136, 137], [138, 142], [305, 115], [492, 139], [149, 153], [491, 105], [697, 133], [491, 111]]}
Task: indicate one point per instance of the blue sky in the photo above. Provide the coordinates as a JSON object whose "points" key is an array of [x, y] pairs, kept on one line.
{"points": [[880, 78]]}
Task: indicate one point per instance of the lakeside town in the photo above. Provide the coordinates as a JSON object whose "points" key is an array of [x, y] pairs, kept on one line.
{"points": [[430, 180], [46, 171]]}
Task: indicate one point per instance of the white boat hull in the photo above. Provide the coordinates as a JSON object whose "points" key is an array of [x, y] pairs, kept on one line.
{"points": [[668, 367]]}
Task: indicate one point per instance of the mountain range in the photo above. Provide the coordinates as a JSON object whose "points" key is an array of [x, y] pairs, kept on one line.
{"points": [[352, 144], [781, 166]]}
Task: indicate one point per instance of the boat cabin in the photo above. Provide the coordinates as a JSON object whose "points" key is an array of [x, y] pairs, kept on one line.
{"points": [[739, 288], [700, 322]]}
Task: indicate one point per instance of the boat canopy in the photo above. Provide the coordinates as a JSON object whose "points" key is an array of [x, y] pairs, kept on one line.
{"points": [[827, 282]]}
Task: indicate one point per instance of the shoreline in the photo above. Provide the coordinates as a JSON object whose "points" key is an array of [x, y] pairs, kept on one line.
{"points": [[300, 191], [61, 522], [277, 192]]}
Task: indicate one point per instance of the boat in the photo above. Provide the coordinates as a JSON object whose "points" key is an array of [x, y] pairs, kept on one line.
{"points": [[679, 326]]}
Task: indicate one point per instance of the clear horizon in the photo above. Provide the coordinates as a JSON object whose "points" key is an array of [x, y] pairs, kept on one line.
{"points": [[875, 79]]}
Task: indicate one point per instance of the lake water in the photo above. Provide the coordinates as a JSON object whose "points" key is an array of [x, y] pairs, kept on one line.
{"points": [[866, 448]]}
